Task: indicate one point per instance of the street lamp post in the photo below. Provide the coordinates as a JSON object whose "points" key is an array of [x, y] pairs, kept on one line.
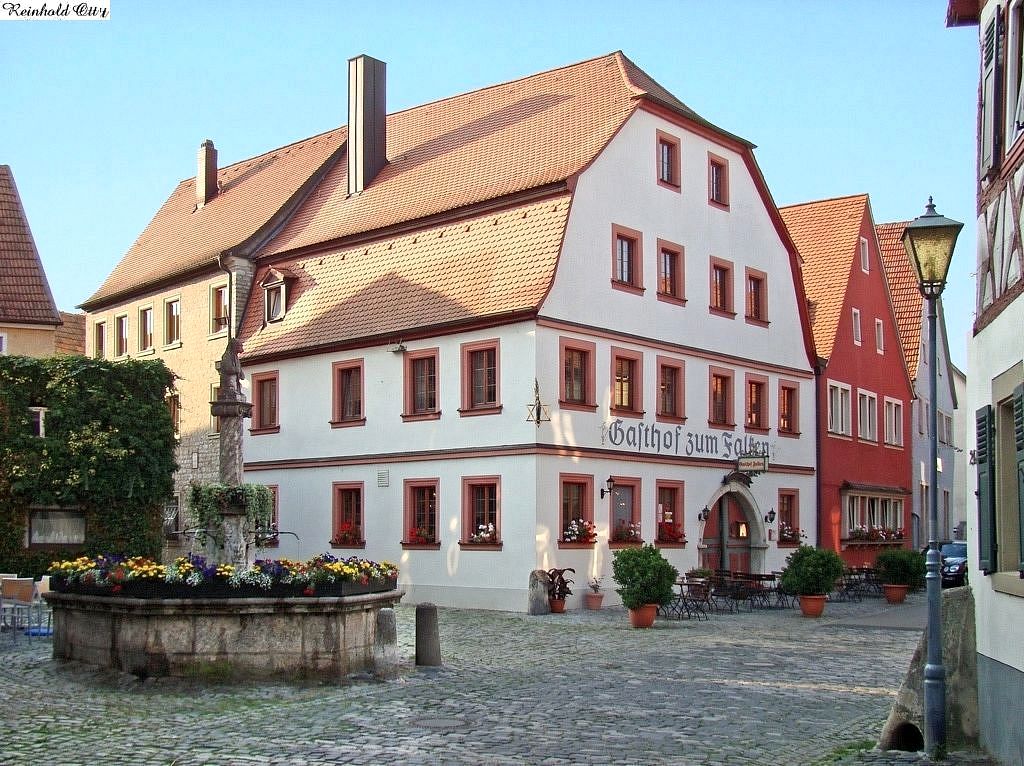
{"points": [[929, 240]]}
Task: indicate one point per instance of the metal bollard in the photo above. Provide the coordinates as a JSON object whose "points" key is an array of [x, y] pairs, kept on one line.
{"points": [[428, 642], [385, 646]]}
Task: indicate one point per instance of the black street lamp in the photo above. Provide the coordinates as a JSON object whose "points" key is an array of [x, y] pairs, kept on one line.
{"points": [[929, 240]]}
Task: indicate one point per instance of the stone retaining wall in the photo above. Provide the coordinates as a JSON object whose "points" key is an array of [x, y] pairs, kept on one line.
{"points": [[220, 639]]}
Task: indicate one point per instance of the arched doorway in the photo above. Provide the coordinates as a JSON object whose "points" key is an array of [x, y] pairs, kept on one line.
{"points": [[733, 537]]}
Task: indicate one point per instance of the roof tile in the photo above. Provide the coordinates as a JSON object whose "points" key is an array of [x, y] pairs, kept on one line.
{"points": [[906, 297], [25, 295]]}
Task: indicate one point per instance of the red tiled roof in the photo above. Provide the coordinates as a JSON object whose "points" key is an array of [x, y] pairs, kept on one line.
{"points": [[488, 266], [479, 146], [827, 233], [181, 238], [906, 297], [25, 295], [70, 336]]}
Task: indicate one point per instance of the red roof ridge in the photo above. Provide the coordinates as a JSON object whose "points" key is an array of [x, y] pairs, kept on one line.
{"points": [[840, 198]]}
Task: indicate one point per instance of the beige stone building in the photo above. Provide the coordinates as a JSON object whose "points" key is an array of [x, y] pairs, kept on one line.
{"points": [[179, 292]]}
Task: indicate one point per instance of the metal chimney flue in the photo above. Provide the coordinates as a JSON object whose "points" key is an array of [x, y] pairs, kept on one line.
{"points": [[367, 115], [206, 174]]}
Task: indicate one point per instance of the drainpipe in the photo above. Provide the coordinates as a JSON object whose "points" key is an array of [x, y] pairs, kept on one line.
{"points": [[818, 371], [231, 296]]}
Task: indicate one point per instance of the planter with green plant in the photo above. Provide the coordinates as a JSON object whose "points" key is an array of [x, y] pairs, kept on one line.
{"points": [[645, 580], [899, 569], [592, 599], [810, 574]]}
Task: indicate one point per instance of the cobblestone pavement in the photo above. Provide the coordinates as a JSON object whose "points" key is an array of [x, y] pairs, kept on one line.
{"points": [[742, 689]]}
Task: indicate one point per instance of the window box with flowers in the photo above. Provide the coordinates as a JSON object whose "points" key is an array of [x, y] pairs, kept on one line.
{"points": [[864, 536], [578, 533], [484, 539], [625, 534], [421, 537], [670, 536], [790, 537], [348, 535]]}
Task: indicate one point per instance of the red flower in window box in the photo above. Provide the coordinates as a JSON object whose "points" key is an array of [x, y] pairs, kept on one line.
{"points": [[347, 534], [420, 536], [626, 532], [670, 533]]}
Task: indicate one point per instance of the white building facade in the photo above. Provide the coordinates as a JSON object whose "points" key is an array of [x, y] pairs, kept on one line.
{"points": [[666, 337]]}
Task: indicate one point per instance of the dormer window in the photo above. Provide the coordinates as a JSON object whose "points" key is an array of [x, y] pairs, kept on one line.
{"points": [[275, 294]]}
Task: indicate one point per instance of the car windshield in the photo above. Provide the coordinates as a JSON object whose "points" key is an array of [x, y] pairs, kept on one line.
{"points": [[954, 550]]}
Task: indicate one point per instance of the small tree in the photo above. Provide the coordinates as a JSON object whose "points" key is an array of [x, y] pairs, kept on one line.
{"points": [[644, 576], [811, 571], [900, 566]]}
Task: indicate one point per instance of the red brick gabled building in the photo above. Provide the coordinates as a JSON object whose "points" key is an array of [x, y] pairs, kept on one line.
{"points": [[863, 389]]}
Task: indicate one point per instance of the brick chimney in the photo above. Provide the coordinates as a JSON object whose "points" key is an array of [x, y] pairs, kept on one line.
{"points": [[367, 140], [206, 175]]}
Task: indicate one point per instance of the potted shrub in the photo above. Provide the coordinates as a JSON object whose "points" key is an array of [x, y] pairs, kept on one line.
{"points": [[899, 569], [645, 581], [592, 600], [558, 588], [811, 573]]}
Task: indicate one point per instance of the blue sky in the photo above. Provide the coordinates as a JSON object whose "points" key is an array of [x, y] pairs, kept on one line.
{"points": [[102, 119]]}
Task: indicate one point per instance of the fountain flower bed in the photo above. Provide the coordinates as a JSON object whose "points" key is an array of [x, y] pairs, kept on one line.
{"points": [[192, 577], [289, 619]]}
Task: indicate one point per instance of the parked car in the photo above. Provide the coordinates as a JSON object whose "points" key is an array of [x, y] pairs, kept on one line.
{"points": [[954, 563]]}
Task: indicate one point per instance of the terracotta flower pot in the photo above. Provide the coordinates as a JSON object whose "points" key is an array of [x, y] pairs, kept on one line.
{"points": [[894, 594], [593, 600], [644, 616], [812, 606], [557, 605]]}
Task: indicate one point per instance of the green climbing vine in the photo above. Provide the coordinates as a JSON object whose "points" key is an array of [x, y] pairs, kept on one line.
{"points": [[105, 448], [207, 502]]}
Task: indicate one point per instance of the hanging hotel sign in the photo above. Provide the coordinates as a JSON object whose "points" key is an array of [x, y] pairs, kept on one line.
{"points": [[752, 464], [656, 439]]}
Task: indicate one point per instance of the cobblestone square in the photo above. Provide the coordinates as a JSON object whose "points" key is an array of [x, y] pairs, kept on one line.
{"points": [[768, 687]]}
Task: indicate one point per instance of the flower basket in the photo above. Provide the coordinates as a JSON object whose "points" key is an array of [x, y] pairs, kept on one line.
{"points": [[356, 588], [383, 584], [151, 589]]}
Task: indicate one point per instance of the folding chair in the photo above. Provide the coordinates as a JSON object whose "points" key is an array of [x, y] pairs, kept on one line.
{"points": [[16, 594]]}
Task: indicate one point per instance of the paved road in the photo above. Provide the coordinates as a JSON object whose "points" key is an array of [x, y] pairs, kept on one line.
{"points": [[741, 689]]}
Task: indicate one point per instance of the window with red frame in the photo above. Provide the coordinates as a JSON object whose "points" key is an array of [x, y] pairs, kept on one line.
{"points": [[721, 399], [421, 512], [348, 393], [625, 512], [421, 384], [264, 414], [626, 384], [721, 287], [756, 402], [347, 527], [670, 391], [756, 297], [669, 277], [574, 375], [668, 160], [788, 422], [480, 518], [718, 181], [480, 376], [625, 259], [577, 513], [670, 513]]}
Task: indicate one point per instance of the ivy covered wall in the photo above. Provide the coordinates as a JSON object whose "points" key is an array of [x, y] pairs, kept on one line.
{"points": [[107, 450]]}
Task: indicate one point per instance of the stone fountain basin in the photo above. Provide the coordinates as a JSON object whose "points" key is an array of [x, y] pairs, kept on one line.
{"points": [[220, 639]]}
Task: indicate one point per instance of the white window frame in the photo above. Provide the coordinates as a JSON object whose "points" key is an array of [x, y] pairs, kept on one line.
{"points": [[865, 256], [169, 343], [879, 336], [268, 289], [867, 405], [839, 394], [3, 344], [99, 330], [142, 329], [39, 416], [856, 327], [893, 422]]}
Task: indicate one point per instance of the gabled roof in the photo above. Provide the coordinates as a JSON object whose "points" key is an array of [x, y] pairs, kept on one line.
{"points": [[181, 239], [906, 297], [827, 233], [25, 295], [483, 145], [495, 266]]}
